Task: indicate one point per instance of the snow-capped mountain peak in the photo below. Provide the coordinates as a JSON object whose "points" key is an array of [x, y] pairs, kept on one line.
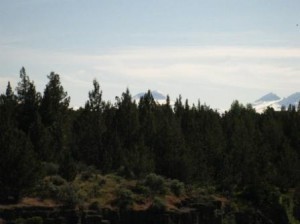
{"points": [[157, 95], [272, 100], [268, 97], [291, 100]]}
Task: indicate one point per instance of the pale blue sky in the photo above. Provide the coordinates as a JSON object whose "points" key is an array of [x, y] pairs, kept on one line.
{"points": [[215, 51]]}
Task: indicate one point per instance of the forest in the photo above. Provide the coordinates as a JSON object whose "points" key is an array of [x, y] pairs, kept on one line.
{"points": [[240, 150]]}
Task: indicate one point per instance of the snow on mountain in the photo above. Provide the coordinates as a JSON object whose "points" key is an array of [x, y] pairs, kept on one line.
{"points": [[291, 100], [272, 100], [268, 97], [268, 100], [158, 96]]}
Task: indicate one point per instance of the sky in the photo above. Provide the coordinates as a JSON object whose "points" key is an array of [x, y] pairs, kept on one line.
{"points": [[215, 51]]}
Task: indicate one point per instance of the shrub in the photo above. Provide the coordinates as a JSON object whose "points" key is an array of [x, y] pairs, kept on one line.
{"points": [[49, 187], [102, 181], [35, 220], [32, 220], [20, 221], [261, 194], [139, 188], [158, 205], [50, 168], [156, 183], [57, 180], [124, 198], [68, 195], [57, 188], [86, 175], [95, 205], [115, 177], [177, 187]]}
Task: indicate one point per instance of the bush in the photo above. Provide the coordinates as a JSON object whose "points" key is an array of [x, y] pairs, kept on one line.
{"points": [[177, 187], [115, 177], [49, 187], [46, 189], [102, 181], [57, 188], [158, 205], [156, 183], [261, 194], [35, 220], [124, 198], [57, 180], [68, 195], [50, 168], [95, 205], [32, 220], [86, 175], [20, 221], [139, 188]]}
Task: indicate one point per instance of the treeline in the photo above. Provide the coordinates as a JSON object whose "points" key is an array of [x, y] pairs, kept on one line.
{"points": [[192, 143]]}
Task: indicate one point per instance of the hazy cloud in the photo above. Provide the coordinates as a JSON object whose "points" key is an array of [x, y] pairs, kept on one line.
{"points": [[257, 69]]}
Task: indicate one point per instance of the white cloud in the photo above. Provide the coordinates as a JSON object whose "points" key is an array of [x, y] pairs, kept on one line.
{"points": [[235, 70]]}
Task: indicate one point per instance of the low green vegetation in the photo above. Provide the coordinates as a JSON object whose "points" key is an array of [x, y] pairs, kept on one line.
{"points": [[96, 191], [32, 220]]}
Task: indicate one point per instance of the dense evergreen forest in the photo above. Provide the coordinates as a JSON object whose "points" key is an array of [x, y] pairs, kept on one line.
{"points": [[237, 150]]}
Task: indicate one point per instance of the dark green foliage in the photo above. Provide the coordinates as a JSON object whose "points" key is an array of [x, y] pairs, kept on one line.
{"points": [[141, 189], [239, 151], [54, 115], [67, 168], [32, 220], [158, 205], [261, 195], [8, 109], [50, 169], [57, 188], [50, 187], [156, 183], [20, 221], [124, 199], [88, 129], [95, 206], [55, 101], [28, 102], [19, 168], [68, 196], [177, 187], [35, 220]]}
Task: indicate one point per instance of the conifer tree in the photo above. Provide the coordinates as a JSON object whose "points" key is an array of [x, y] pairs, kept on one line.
{"points": [[8, 108], [54, 114], [88, 129], [28, 102]]}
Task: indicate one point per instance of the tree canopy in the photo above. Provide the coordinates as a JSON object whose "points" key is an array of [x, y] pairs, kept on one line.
{"points": [[194, 144]]}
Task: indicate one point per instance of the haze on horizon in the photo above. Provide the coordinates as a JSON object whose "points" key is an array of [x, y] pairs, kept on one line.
{"points": [[215, 51]]}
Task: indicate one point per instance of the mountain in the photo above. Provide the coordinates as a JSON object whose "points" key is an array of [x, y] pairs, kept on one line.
{"points": [[269, 97], [291, 100], [158, 96], [268, 100], [274, 101]]}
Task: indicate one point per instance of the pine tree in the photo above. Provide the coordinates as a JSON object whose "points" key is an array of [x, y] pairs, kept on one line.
{"points": [[55, 101], [54, 114], [8, 109], [18, 165], [88, 129], [147, 118], [28, 102]]}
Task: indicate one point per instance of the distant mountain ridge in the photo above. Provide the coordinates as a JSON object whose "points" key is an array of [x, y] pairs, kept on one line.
{"points": [[292, 99], [274, 101], [268, 97], [158, 96]]}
